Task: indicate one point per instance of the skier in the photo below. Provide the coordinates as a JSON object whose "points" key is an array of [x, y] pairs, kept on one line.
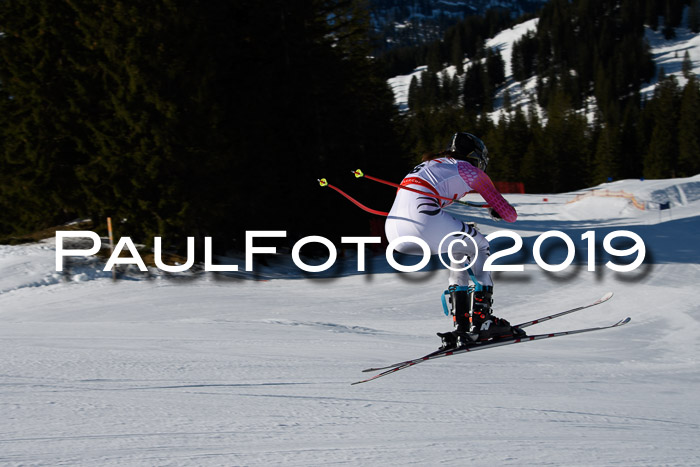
{"points": [[453, 173]]}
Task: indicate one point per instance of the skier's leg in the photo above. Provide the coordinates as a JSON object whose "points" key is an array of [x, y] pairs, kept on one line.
{"points": [[405, 220], [466, 250], [482, 324], [471, 247]]}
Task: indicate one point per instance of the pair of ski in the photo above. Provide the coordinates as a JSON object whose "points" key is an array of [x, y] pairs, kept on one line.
{"points": [[393, 368]]}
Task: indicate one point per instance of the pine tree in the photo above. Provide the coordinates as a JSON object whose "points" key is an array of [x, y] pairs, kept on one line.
{"points": [[689, 130], [511, 136], [517, 60], [652, 15], [631, 141], [474, 89], [669, 30], [413, 94], [457, 52], [660, 160], [523, 56], [687, 65], [507, 101], [430, 89], [606, 162], [455, 90], [694, 16], [534, 169], [495, 140], [566, 149], [495, 68]]}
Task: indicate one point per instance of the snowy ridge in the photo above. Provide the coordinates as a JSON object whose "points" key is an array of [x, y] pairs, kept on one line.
{"points": [[667, 55], [503, 42], [213, 372]]}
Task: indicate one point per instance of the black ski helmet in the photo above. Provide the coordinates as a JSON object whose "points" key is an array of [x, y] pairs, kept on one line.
{"points": [[468, 147]]}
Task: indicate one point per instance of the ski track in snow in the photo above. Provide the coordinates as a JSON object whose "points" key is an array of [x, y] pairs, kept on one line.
{"points": [[243, 372]]}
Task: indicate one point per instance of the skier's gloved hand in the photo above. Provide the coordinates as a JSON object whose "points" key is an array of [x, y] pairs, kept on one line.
{"points": [[494, 214]]}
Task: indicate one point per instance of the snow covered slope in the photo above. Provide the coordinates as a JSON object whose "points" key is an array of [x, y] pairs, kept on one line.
{"points": [[667, 55], [208, 371], [503, 42]]}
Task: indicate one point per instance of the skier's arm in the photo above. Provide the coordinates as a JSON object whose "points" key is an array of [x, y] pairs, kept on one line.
{"points": [[481, 182]]}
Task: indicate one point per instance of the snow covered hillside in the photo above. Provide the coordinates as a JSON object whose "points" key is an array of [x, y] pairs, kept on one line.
{"points": [[503, 41], [223, 371], [667, 54], [401, 23]]}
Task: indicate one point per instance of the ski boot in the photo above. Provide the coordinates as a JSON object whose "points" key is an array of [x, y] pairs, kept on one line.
{"points": [[484, 325], [460, 300]]}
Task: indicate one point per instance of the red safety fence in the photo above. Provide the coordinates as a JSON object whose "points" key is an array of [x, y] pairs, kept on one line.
{"points": [[510, 187]]}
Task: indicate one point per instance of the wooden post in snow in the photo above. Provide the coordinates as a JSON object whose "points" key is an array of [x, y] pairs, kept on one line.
{"points": [[111, 245]]}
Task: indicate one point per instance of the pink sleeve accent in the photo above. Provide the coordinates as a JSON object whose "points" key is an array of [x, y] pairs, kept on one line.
{"points": [[479, 181]]}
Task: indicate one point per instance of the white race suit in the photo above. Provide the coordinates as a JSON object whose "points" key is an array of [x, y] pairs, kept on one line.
{"points": [[421, 215]]}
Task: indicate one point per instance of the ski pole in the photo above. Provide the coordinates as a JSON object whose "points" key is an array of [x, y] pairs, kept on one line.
{"points": [[359, 174], [323, 182]]}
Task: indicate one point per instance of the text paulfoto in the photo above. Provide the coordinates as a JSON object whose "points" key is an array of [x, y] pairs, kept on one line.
{"points": [[453, 244]]}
